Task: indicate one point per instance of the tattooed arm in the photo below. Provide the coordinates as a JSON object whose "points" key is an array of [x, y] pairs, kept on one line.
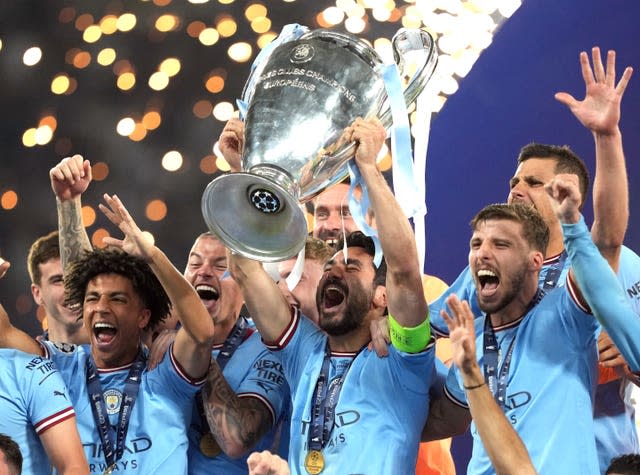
{"points": [[236, 422], [69, 179]]}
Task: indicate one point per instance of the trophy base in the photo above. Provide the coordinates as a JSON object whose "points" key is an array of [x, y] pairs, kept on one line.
{"points": [[254, 217]]}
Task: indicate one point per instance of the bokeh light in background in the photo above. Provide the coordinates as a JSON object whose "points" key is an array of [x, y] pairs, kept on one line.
{"points": [[143, 88]]}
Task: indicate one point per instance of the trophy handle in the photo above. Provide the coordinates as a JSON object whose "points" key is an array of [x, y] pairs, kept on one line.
{"points": [[404, 42]]}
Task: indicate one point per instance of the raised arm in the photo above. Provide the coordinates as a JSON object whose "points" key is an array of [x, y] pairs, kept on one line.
{"points": [[69, 179], [508, 454], [237, 423], [231, 143], [597, 285], [192, 347], [10, 336], [599, 112], [405, 297], [267, 305]]}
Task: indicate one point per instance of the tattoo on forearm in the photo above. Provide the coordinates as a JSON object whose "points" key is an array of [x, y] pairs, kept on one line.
{"points": [[72, 234], [231, 418]]}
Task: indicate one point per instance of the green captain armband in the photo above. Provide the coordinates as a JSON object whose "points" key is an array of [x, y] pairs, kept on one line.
{"points": [[409, 340]]}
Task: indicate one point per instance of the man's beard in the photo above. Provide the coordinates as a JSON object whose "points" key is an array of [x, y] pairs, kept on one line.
{"points": [[517, 282], [357, 305]]}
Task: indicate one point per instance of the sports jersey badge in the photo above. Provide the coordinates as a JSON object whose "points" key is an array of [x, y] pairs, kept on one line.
{"points": [[64, 347], [112, 400]]}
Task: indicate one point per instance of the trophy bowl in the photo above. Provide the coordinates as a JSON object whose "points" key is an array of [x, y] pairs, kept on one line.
{"points": [[300, 99]]}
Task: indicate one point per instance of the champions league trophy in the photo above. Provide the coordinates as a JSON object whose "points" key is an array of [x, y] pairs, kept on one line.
{"points": [[300, 100]]}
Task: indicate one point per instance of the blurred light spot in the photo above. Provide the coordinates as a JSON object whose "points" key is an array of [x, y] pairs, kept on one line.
{"points": [[73, 85], [92, 34], [214, 84], [32, 56], [254, 11], [97, 237], [109, 24], [161, 3], [172, 161], [226, 2], [126, 81], [152, 120], [322, 23], [44, 135], [240, 52], [333, 15], [385, 163], [60, 84], [29, 137], [9, 199], [209, 36], [202, 109], [208, 165], [122, 66], [50, 121], [166, 23], [106, 56], [170, 66], [126, 126], [222, 164], [223, 111], [381, 14], [88, 216], [156, 210], [84, 21], [126, 22], [261, 24], [139, 132], [265, 39], [149, 237], [158, 81], [354, 24], [82, 60], [66, 15], [24, 304], [99, 171], [227, 27], [195, 28]]}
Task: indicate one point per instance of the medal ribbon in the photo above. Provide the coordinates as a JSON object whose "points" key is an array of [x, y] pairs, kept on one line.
{"points": [[553, 274], [491, 356], [99, 408], [325, 400]]}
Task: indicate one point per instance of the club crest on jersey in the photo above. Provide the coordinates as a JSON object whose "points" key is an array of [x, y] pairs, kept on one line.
{"points": [[112, 400]]}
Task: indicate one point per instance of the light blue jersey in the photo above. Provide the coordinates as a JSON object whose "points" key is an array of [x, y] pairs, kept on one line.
{"points": [[33, 398], [614, 414], [156, 441], [550, 384], [380, 412], [252, 371]]}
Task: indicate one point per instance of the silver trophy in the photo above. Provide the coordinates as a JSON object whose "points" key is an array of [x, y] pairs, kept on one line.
{"points": [[300, 100]]}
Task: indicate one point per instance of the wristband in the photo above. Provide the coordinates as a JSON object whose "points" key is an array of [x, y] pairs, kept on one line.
{"points": [[409, 340], [471, 388]]}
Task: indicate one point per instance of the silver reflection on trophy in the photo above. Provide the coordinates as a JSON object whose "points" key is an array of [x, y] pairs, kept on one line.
{"points": [[307, 92]]}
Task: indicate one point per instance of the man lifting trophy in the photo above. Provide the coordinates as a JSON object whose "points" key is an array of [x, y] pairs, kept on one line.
{"points": [[301, 96]]}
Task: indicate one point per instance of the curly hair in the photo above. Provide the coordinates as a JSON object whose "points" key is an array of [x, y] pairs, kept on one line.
{"points": [[115, 261], [11, 451], [628, 464]]}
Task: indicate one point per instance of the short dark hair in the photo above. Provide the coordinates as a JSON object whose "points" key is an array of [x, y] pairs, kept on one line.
{"points": [[115, 261], [534, 229], [358, 239], [566, 162], [11, 452], [318, 250], [42, 250], [628, 464]]}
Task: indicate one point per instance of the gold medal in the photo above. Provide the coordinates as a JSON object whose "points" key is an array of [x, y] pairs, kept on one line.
{"points": [[314, 462], [208, 446], [109, 469]]}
